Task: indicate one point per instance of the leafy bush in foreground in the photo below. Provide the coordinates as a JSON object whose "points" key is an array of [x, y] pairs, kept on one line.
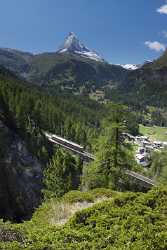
{"points": [[128, 221]]}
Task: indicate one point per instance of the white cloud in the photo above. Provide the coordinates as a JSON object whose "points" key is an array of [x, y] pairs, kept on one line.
{"points": [[157, 46], [164, 32], [162, 9]]}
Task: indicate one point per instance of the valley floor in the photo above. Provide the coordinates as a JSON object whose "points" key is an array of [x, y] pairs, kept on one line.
{"points": [[155, 133]]}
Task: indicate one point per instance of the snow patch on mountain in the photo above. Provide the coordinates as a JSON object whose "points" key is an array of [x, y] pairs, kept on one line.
{"points": [[90, 54], [130, 66], [73, 45], [147, 62], [134, 66]]}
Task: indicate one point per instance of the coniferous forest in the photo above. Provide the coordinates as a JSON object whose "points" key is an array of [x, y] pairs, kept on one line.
{"points": [[26, 113]]}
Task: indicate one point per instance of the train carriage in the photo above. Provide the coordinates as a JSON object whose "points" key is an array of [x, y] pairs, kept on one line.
{"points": [[67, 143]]}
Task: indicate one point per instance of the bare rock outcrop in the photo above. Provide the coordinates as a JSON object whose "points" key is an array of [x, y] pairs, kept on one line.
{"points": [[20, 177]]}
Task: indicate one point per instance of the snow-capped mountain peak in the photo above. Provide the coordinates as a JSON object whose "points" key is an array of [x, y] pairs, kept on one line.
{"points": [[73, 45]]}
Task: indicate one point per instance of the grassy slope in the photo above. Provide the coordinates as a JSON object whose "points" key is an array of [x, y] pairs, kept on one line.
{"points": [[155, 133], [127, 221]]}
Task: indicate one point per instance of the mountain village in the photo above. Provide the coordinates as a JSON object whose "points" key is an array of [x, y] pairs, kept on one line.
{"points": [[144, 147]]}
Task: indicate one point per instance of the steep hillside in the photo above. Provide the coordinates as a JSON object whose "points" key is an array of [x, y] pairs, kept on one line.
{"points": [[25, 112], [73, 70], [20, 175], [21, 142], [16, 61], [159, 63], [68, 69], [145, 86]]}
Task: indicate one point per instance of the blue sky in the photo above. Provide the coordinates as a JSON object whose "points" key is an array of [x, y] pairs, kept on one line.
{"points": [[122, 31]]}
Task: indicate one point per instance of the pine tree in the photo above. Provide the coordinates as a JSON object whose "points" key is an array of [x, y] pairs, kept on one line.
{"points": [[61, 174], [114, 155]]}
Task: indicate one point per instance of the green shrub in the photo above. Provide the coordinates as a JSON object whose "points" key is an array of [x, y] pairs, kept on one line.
{"points": [[78, 196], [102, 192], [127, 221], [11, 246]]}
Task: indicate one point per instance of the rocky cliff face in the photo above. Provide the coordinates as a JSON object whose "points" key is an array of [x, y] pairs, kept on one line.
{"points": [[20, 177]]}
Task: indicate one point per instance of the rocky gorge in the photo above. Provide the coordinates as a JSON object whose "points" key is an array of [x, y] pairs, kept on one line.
{"points": [[20, 177]]}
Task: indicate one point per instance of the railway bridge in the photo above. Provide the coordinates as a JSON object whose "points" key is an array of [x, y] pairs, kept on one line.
{"points": [[79, 150]]}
